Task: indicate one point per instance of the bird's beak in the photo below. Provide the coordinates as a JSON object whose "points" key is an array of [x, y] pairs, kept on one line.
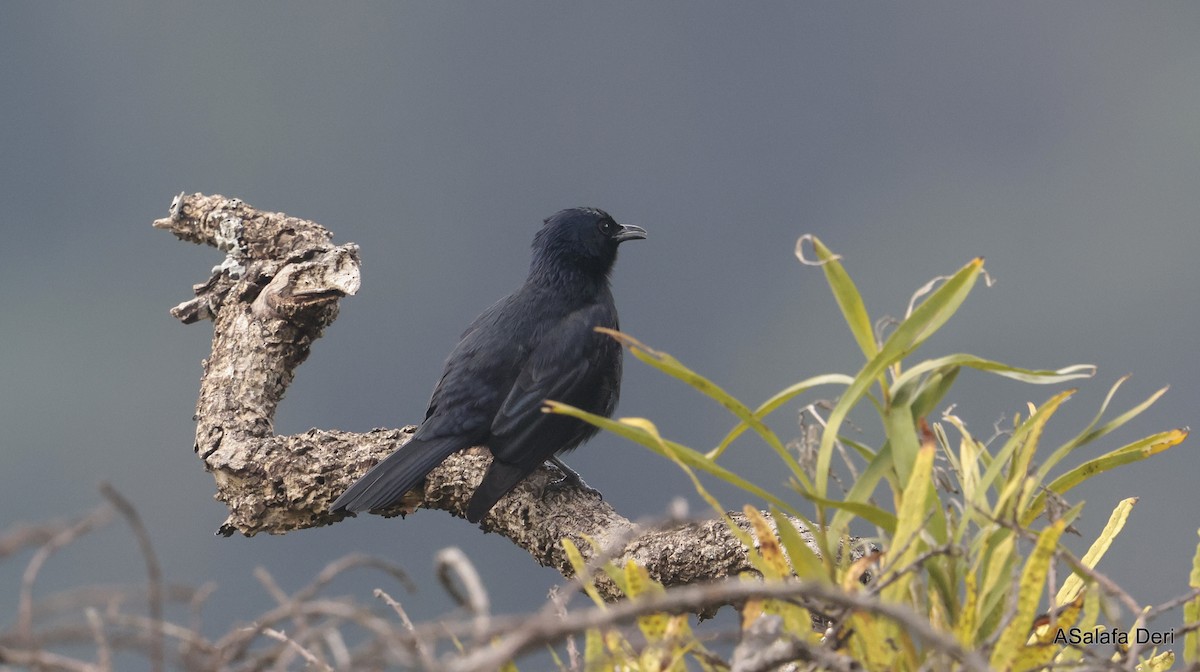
{"points": [[629, 232]]}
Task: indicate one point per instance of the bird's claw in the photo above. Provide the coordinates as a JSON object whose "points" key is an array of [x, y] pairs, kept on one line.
{"points": [[570, 479]]}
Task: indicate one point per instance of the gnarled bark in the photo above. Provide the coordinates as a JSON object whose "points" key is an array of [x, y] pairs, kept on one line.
{"points": [[272, 297]]}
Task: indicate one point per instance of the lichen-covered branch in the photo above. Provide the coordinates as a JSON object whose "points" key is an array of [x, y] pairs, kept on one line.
{"points": [[269, 300]]}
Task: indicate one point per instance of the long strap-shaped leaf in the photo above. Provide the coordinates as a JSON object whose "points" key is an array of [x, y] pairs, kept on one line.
{"points": [[674, 368], [844, 292], [636, 433], [924, 321], [779, 399], [1133, 452], [1029, 593]]}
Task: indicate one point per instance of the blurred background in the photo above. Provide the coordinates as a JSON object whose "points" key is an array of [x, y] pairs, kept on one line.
{"points": [[1060, 141]]}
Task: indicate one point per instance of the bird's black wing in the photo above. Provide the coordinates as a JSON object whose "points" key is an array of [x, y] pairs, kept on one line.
{"points": [[572, 364]]}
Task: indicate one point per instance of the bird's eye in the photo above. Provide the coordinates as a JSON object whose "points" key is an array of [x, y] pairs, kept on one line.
{"points": [[606, 226]]}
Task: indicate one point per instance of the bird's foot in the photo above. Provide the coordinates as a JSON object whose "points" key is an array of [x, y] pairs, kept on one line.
{"points": [[570, 479]]}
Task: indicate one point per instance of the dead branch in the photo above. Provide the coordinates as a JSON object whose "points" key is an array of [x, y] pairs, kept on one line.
{"points": [[271, 298]]}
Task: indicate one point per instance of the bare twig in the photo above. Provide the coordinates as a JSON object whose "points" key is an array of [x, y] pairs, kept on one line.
{"points": [[766, 646], [337, 649], [574, 660], [305, 653], [424, 654], [103, 650], [99, 516], [154, 579], [30, 535], [43, 660], [542, 630]]}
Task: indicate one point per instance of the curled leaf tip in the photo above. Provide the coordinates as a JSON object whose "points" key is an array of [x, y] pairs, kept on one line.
{"points": [[829, 256]]}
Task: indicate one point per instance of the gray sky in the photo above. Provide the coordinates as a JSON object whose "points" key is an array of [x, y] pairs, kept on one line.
{"points": [[1060, 141]]}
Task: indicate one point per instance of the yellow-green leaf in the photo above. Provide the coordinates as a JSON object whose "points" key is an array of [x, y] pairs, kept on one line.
{"points": [[868, 512], [579, 566], [926, 319], [846, 294], [1091, 432], [1074, 583], [906, 544], [805, 562], [775, 564], [1033, 579], [634, 430], [1134, 452], [965, 631], [776, 401], [1024, 444], [676, 369], [1041, 647], [1191, 613]]}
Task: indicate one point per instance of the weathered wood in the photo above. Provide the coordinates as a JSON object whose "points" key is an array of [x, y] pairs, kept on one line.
{"points": [[272, 297]]}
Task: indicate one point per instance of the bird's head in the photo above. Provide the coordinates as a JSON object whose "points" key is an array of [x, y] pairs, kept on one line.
{"points": [[585, 238]]}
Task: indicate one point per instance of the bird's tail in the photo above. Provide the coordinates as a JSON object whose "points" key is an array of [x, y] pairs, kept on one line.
{"points": [[497, 482], [398, 473]]}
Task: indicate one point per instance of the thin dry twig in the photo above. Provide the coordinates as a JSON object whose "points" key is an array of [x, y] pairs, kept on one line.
{"points": [[103, 650], [30, 535], [38, 659], [530, 633], [154, 579], [424, 654], [295, 646], [98, 517]]}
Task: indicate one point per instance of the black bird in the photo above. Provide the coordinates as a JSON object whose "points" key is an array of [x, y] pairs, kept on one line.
{"points": [[535, 344]]}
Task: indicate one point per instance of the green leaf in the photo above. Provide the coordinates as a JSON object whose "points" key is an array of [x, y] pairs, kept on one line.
{"points": [[1015, 442], [872, 514], [1134, 452], [805, 562], [932, 390], [998, 558], [1032, 376], [846, 294], [1191, 613], [1074, 583], [674, 368], [902, 435], [910, 520], [1033, 578], [669, 449], [1091, 433], [926, 319], [862, 488], [779, 399]]}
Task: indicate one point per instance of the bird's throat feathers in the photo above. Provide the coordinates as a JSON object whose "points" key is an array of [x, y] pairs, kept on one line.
{"points": [[574, 277]]}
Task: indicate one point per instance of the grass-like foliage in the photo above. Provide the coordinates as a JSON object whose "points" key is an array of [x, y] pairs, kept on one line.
{"points": [[968, 532]]}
